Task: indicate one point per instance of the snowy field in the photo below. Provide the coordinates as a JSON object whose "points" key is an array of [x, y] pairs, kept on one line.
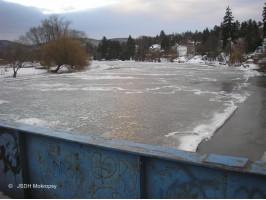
{"points": [[166, 104]]}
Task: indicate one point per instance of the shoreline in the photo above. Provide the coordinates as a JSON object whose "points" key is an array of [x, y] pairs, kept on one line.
{"points": [[244, 133]]}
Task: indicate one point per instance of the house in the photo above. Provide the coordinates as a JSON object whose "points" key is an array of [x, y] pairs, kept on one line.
{"points": [[264, 45], [259, 50], [181, 50], [155, 48]]}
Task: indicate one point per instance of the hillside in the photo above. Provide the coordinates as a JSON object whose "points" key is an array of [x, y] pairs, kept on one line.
{"points": [[95, 42], [3, 44], [120, 40]]}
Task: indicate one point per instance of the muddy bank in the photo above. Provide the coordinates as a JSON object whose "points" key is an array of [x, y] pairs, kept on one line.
{"points": [[244, 134]]}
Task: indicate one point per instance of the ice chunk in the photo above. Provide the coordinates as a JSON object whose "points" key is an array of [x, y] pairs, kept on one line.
{"points": [[37, 122], [33, 121], [3, 101], [264, 157]]}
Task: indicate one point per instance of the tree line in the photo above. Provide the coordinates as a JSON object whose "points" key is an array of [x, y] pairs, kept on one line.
{"points": [[244, 36], [55, 44], [110, 50]]}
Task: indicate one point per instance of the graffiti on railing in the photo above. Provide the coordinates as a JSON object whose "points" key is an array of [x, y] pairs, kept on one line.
{"points": [[104, 168], [104, 174], [9, 153]]}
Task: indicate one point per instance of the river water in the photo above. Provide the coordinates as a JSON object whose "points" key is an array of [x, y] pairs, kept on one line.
{"points": [[166, 104]]}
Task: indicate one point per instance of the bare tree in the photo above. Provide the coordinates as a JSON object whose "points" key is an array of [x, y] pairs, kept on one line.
{"points": [[17, 55], [49, 30], [54, 26]]}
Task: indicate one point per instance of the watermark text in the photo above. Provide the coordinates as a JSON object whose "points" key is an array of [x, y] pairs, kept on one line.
{"points": [[34, 186]]}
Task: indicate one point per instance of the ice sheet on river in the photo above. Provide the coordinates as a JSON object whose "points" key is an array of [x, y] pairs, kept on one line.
{"points": [[171, 105]]}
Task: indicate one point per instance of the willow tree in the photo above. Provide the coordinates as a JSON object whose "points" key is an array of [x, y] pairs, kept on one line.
{"points": [[64, 51], [50, 29]]}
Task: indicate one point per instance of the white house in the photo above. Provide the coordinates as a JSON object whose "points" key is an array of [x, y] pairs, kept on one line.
{"points": [[181, 50], [155, 47]]}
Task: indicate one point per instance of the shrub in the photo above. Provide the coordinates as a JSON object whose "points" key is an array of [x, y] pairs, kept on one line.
{"points": [[236, 59], [64, 51]]}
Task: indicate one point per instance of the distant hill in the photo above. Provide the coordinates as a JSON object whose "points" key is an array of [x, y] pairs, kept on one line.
{"points": [[3, 44], [95, 42], [120, 40]]}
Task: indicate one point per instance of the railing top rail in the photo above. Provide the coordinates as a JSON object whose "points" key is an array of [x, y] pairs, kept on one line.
{"points": [[242, 165]]}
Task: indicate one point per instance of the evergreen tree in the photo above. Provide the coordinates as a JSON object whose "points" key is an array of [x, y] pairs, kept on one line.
{"points": [[264, 20], [197, 36], [164, 40], [130, 48], [115, 50], [249, 30], [102, 48], [228, 29], [252, 36], [205, 35], [109, 50]]}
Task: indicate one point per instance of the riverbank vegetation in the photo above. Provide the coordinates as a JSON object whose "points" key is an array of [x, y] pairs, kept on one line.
{"points": [[231, 34], [54, 44]]}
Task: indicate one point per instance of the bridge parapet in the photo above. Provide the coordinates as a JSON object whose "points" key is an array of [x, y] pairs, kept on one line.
{"points": [[44, 163]]}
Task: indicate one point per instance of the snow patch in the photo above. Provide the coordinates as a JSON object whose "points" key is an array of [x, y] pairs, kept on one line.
{"points": [[8, 72], [32, 121], [228, 98], [190, 140], [60, 89], [263, 157], [196, 60], [36, 122], [181, 59], [251, 73], [3, 196], [102, 89], [239, 98], [209, 79], [89, 77], [3, 101]]}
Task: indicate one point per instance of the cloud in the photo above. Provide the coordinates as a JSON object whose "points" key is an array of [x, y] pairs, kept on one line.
{"points": [[172, 11], [63, 6], [132, 17], [15, 19], [248, 10]]}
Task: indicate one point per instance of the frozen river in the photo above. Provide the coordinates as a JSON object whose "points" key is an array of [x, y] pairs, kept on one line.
{"points": [[171, 105]]}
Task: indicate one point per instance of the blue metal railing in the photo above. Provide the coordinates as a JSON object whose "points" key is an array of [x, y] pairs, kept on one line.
{"points": [[43, 163]]}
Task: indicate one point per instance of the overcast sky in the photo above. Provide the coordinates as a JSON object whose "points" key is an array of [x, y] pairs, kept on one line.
{"points": [[121, 18]]}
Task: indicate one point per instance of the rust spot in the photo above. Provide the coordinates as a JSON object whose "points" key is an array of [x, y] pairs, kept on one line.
{"points": [[40, 158]]}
